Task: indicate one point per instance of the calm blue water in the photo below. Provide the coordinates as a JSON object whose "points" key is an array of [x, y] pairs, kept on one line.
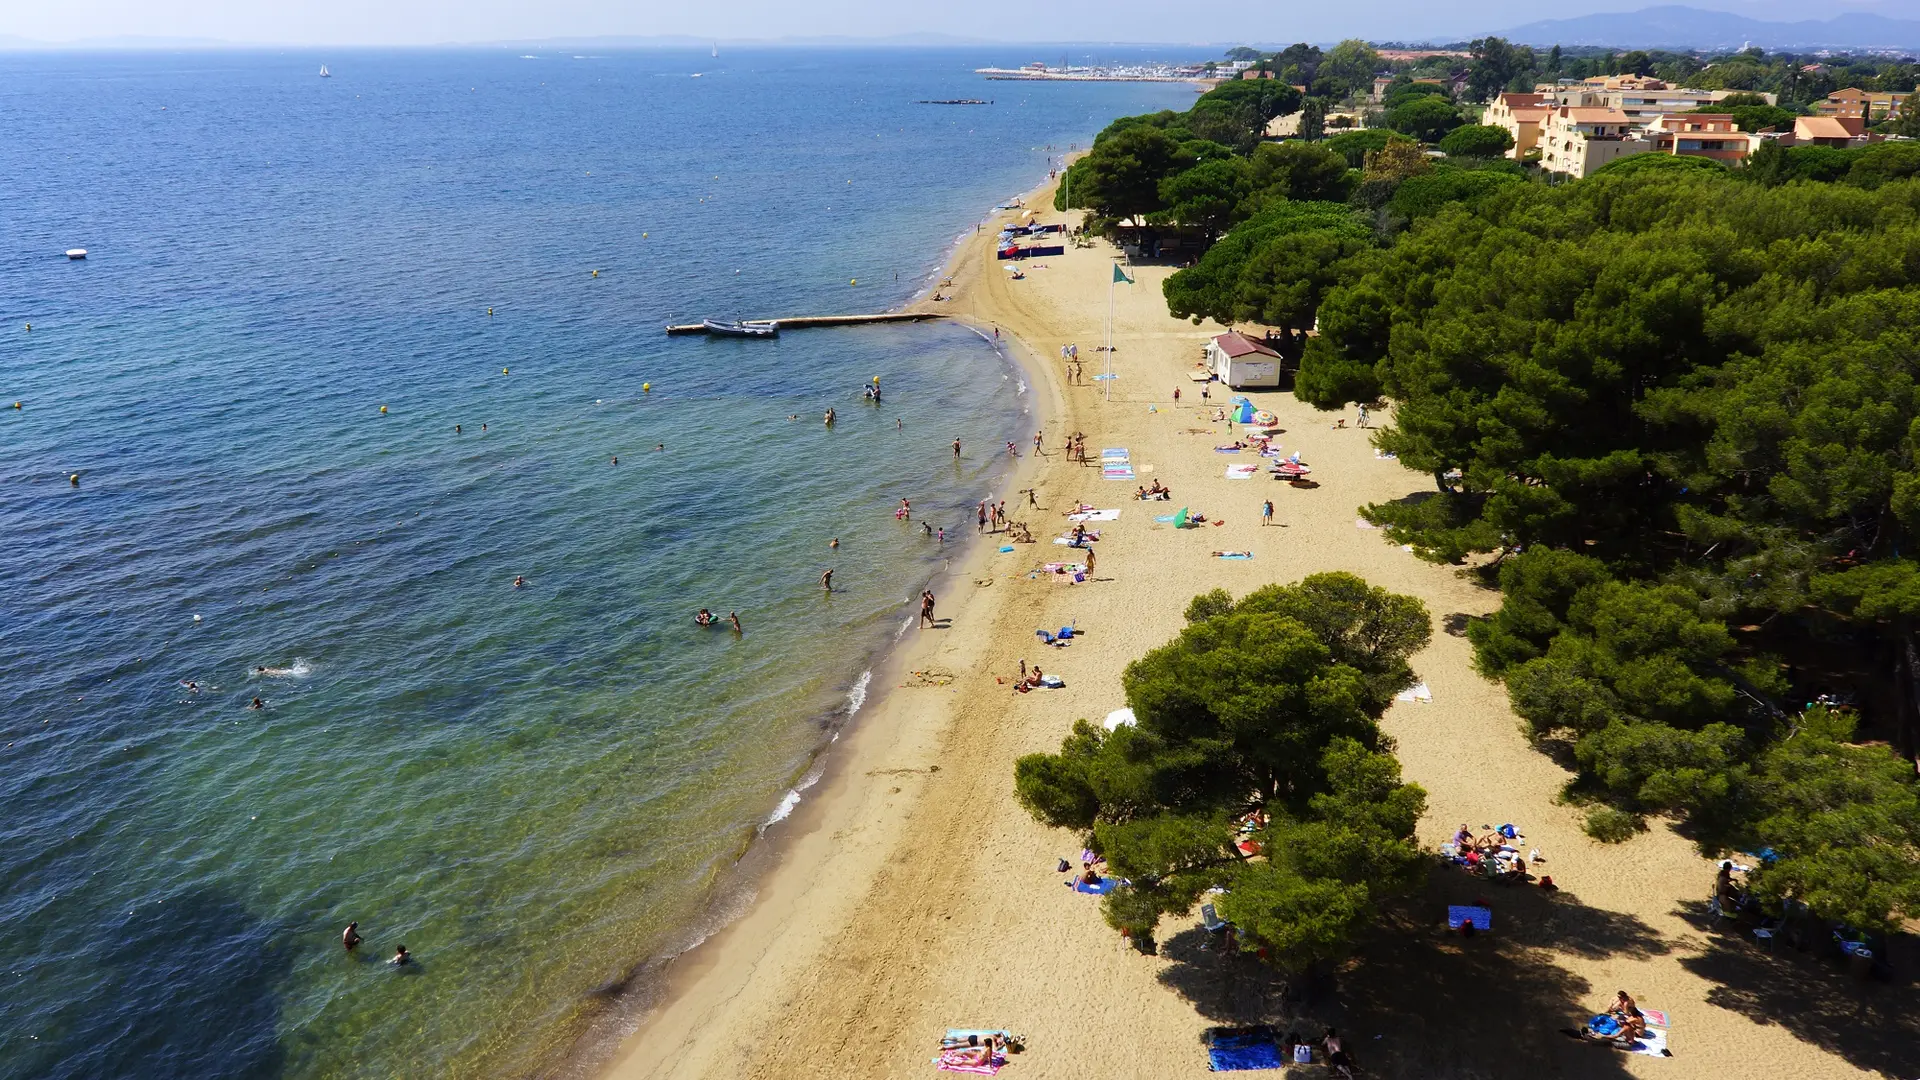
{"points": [[534, 789]]}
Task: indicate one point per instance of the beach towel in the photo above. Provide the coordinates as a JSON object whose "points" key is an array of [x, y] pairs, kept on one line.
{"points": [[1481, 918], [1095, 515], [1118, 452], [1417, 692], [1116, 472], [1242, 472], [1107, 885], [1652, 1044], [1165, 518], [956, 1061], [1226, 449], [1241, 1052], [1233, 555]]}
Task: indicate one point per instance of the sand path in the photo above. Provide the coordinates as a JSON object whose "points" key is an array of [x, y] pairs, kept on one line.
{"points": [[921, 896]]}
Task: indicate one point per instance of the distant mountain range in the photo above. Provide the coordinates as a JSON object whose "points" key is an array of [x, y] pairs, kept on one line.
{"points": [[1676, 27]]}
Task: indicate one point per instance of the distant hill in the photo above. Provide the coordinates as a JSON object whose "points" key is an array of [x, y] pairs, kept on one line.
{"points": [[1676, 27]]}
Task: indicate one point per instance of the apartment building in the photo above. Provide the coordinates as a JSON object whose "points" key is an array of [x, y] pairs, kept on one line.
{"points": [[1855, 103], [1577, 141], [1523, 115]]}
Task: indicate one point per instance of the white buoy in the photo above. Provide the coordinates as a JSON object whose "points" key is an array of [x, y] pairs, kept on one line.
{"points": [[76, 254]]}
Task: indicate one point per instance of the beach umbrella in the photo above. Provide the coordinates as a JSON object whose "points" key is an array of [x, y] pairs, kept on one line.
{"points": [[1117, 718], [1180, 519]]}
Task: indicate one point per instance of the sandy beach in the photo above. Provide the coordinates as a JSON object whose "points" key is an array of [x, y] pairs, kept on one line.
{"points": [[914, 894]]}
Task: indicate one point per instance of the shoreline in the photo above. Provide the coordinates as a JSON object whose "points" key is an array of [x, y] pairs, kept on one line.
{"points": [[655, 983], [916, 894]]}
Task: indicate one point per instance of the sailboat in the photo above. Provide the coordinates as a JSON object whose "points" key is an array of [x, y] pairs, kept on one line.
{"points": [[716, 50], [324, 73]]}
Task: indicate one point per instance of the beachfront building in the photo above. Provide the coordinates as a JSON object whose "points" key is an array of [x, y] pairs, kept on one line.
{"points": [[1856, 104], [1523, 115], [1577, 141], [1239, 361]]}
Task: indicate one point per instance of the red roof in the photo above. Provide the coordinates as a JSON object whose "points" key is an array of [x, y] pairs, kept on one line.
{"points": [[1235, 344]]}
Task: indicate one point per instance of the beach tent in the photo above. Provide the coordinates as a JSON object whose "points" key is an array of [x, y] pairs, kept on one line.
{"points": [[1180, 519], [1118, 718], [1242, 411]]}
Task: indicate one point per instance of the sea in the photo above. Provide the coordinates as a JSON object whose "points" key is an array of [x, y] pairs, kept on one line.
{"points": [[360, 405]]}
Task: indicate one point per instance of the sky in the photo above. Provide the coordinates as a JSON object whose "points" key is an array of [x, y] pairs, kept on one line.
{"points": [[430, 22]]}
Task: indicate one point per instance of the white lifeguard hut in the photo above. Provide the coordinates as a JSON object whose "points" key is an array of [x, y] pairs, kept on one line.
{"points": [[1241, 362]]}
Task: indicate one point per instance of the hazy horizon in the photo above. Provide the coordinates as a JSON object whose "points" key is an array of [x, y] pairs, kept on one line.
{"points": [[440, 23]]}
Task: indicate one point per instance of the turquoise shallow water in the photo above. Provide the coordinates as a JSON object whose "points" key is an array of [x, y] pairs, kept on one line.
{"points": [[535, 788]]}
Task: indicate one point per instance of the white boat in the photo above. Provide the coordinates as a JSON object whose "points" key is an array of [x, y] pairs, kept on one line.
{"points": [[752, 328], [324, 73], [716, 49], [76, 253]]}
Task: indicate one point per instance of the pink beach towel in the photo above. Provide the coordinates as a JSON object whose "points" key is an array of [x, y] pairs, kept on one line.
{"points": [[954, 1061]]}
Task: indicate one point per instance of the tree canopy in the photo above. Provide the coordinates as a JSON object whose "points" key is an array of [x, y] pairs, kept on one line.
{"points": [[1271, 269], [1477, 140], [1681, 407], [1426, 118], [1261, 712]]}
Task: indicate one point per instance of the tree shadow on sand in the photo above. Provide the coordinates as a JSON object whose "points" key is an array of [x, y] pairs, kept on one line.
{"points": [[1874, 1025], [1417, 1001]]}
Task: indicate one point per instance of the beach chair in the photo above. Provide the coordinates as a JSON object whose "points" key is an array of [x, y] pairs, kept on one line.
{"points": [[1211, 919]]}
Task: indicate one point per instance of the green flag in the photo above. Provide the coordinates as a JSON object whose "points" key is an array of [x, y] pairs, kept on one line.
{"points": [[1120, 275]]}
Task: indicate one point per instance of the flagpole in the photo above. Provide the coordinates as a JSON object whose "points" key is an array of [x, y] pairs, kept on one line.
{"points": [[1110, 284]]}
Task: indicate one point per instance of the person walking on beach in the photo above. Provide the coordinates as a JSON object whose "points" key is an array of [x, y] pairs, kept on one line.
{"points": [[1000, 511], [826, 579], [1362, 420], [350, 938], [1266, 513], [956, 449], [1176, 395], [926, 609], [1036, 444], [982, 510], [1011, 451], [1089, 558]]}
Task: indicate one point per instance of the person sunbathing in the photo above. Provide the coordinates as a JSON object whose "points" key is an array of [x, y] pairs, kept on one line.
{"points": [[977, 1055], [1633, 1023], [1091, 877], [1463, 840]]}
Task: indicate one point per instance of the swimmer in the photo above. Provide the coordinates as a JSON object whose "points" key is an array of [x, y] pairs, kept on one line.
{"points": [[659, 447], [829, 418], [260, 671], [519, 582], [483, 429], [826, 577], [350, 938], [401, 957], [734, 618], [834, 543], [705, 618], [792, 417], [616, 459], [896, 425], [192, 687], [456, 429], [257, 704], [956, 449], [927, 525]]}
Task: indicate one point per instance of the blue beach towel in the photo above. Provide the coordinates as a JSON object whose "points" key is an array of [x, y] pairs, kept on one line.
{"points": [[1240, 1053], [1107, 885], [1481, 918]]}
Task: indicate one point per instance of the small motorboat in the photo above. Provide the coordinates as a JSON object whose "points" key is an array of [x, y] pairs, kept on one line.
{"points": [[76, 253], [758, 328]]}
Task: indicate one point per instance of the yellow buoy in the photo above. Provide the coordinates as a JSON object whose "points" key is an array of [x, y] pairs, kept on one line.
{"points": [[876, 380], [383, 410], [74, 479], [646, 388], [643, 236], [504, 371], [16, 406], [596, 273], [853, 281]]}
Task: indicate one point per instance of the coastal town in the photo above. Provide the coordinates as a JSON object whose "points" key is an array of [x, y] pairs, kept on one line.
{"points": [[1442, 601]]}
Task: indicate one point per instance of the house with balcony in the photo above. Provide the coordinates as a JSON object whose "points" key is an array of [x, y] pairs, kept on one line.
{"points": [[1714, 136], [1839, 132]]}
